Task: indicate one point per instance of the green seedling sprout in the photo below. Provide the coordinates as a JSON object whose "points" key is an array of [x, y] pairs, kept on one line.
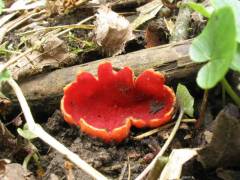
{"points": [[28, 135]]}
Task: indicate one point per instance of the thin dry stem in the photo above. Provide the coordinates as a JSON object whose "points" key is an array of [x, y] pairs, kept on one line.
{"points": [[129, 169], [164, 148], [38, 130], [153, 131], [156, 130], [81, 22], [123, 171], [202, 110], [71, 26]]}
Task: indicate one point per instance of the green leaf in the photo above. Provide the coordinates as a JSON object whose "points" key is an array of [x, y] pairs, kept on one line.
{"points": [[199, 8], [5, 75], [216, 44], [220, 3], [235, 4], [1, 6], [185, 99], [26, 133], [236, 61]]}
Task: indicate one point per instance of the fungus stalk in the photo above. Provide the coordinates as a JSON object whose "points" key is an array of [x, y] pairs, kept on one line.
{"points": [[38, 130]]}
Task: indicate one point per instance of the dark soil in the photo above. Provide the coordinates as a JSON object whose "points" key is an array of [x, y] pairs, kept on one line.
{"points": [[109, 159]]}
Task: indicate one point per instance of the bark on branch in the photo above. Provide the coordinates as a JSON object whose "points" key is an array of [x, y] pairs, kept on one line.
{"points": [[45, 90]]}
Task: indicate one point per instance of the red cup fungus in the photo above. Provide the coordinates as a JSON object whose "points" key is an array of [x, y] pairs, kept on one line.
{"points": [[106, 107]]}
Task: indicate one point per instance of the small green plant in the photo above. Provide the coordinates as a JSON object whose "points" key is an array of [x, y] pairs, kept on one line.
{"points": [[5, 75], [33, 152], [185, 100], [26, 133], [218, 45], [2, 5]]}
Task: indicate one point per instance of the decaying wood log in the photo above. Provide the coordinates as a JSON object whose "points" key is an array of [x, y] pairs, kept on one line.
{"points": [[45, 90]]}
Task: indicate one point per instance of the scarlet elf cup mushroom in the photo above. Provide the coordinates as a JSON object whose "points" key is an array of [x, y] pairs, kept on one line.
{"points": [[106, 107]]}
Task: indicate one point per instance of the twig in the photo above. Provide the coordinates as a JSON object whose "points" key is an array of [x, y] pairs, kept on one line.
{"points": [[156, 130], [81, 22], [123, 171], [202, 109], [153, 131], [129, 169], [71, 26], [38, 130], [12, 121], [31, 15], [164, 148]]}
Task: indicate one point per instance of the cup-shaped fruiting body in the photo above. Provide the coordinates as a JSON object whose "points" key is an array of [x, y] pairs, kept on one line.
{"points": [[107, 106]]}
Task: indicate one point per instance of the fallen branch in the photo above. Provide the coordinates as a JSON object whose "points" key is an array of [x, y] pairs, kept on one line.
{"points": [[164, 148], [38, 130], [47, 89]]}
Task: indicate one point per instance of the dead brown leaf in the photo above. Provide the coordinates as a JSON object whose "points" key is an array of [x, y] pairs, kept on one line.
{"points": [[54, 54], [112, 31], [224, 148], [156, 34], [16, 171]]}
